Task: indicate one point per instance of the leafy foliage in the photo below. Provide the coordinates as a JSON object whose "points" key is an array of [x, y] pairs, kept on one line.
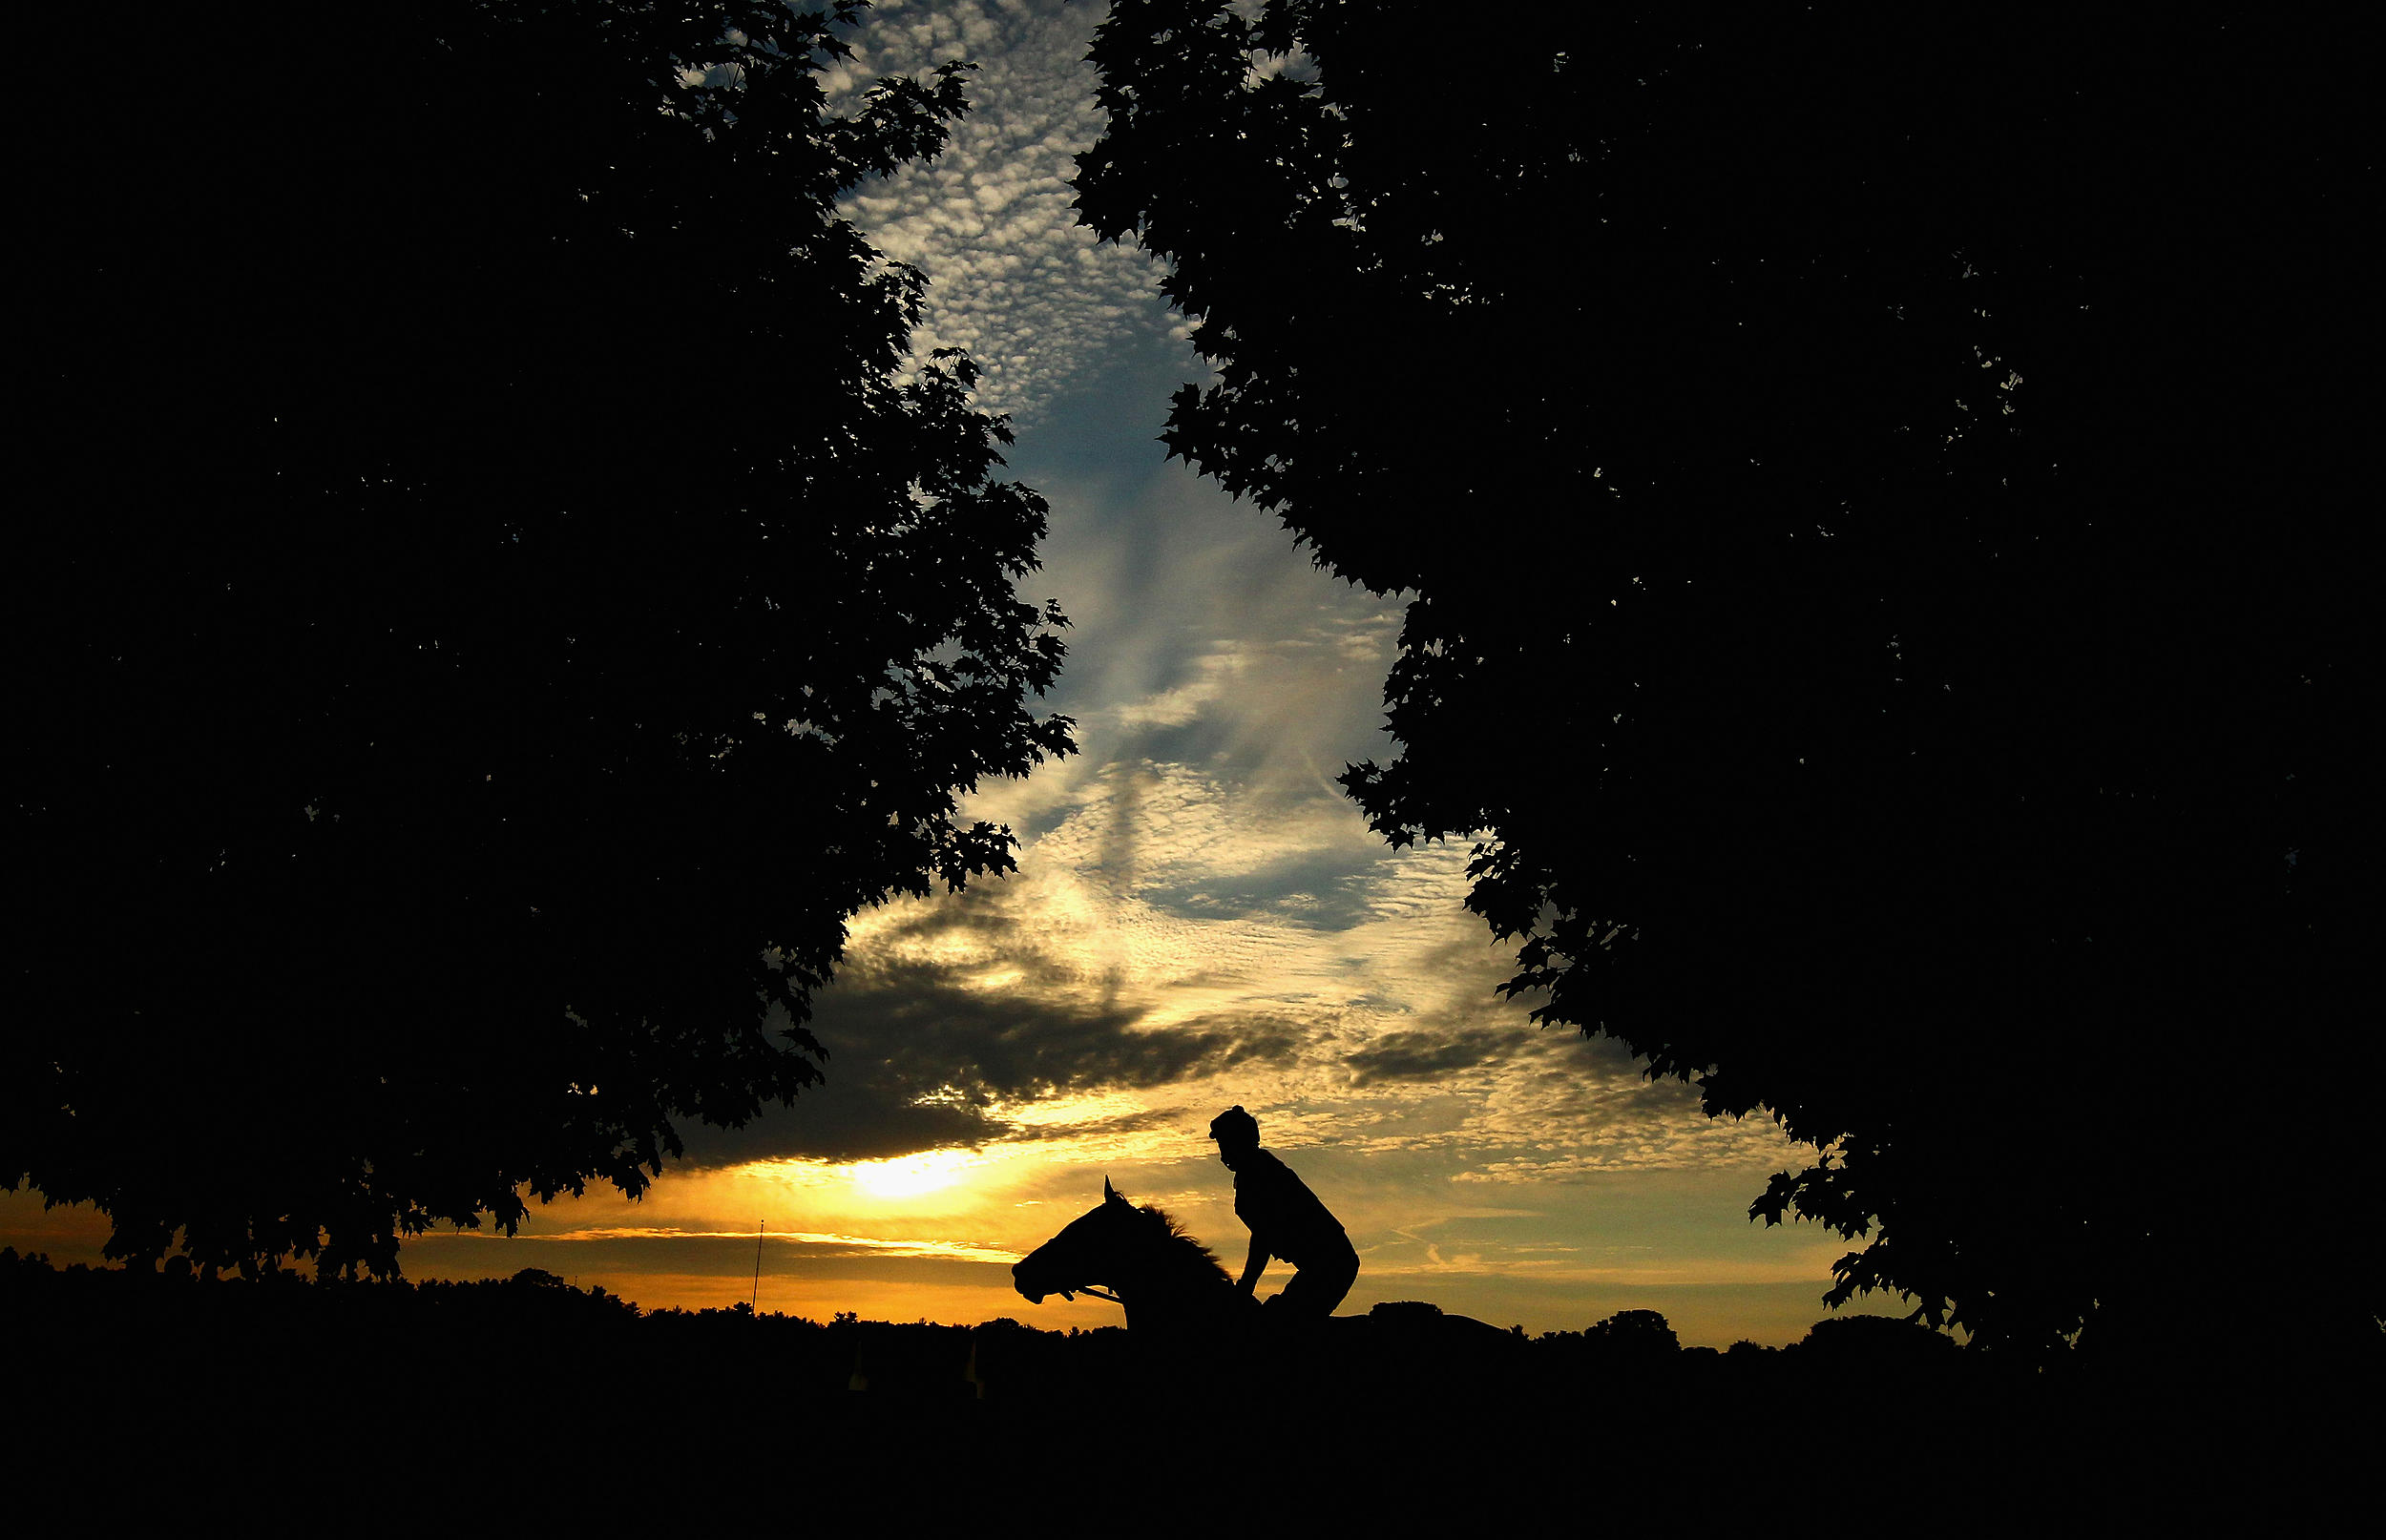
{"points": [[1870, 489], [1635, 1332], [493, 606]]}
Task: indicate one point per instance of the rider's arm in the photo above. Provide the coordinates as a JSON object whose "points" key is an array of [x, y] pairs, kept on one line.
{"points": [[1253, 1265]]}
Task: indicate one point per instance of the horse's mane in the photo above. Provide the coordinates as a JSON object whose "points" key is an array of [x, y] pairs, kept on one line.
{"points": [[1185, 1240]]}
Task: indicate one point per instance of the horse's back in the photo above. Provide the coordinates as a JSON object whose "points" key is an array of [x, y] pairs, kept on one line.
{"points": [[1406, 1352], [1414, 1326]]}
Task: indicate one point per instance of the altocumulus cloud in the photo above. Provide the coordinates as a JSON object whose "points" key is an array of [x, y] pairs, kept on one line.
{"points": [[1014, 279]]}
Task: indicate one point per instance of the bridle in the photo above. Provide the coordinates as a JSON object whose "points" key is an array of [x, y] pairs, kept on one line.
{"points": [[1088, 1288]]}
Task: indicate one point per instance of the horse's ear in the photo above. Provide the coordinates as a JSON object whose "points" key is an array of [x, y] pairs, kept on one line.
{"points": [[1110, 1194]]}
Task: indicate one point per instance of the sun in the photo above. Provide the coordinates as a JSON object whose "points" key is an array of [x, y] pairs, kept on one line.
{"points": [[913, 1175]]}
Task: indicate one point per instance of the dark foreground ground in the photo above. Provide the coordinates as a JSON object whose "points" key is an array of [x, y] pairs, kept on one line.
{"points": [[332, 1401]]}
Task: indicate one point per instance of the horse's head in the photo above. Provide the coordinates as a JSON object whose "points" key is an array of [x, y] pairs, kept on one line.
{"points": [[1089, 1251]]}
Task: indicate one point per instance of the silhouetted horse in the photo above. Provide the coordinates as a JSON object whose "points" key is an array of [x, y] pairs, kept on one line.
{"points": [[1166, 1281], [1177, 1295]]}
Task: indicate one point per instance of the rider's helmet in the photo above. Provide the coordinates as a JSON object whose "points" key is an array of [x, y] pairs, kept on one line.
{"points": [[1234, 1126]]}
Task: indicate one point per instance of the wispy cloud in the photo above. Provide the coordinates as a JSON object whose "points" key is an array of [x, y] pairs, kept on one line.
{"points": [[1202, 917], [818, 1246]]}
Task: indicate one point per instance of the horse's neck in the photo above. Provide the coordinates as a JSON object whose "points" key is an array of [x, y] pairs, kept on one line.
{"points": [[1173, 1284]]}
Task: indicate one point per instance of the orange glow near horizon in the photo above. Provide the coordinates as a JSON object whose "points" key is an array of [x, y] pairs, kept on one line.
{"points": [[828, 1247]]}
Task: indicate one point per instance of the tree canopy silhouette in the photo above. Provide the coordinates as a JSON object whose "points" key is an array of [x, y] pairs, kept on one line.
{"points": [[494, 603], [1869, 488]]}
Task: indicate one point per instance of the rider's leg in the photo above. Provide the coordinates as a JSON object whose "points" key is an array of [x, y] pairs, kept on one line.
{"points": [[1317, 1288]]}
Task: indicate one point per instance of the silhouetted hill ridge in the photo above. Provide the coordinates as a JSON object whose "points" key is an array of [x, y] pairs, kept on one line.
{"points": [[339, 1383]]}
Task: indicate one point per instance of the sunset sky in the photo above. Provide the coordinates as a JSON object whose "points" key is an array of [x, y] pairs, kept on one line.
{"points": [[1200, 916]]}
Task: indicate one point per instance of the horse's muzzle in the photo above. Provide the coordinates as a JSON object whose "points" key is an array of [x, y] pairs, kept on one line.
{"points": [[1035, 1293]]}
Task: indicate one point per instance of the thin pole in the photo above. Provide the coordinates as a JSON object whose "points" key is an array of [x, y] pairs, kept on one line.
{"points": [[760, 1226]]}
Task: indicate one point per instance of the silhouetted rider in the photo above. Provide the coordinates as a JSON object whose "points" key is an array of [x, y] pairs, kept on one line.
{"points": [[1286, 1220]]}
